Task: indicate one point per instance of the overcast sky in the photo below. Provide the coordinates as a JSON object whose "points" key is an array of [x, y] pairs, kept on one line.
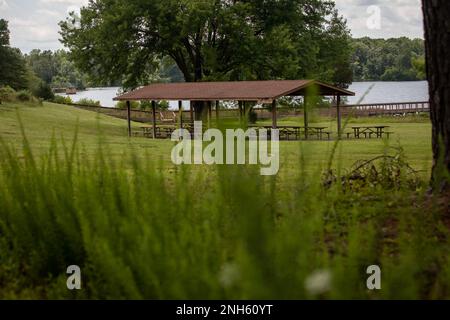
{"points": [[34, 23]]}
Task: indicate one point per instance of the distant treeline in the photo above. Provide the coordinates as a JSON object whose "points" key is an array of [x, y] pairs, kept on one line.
{"points": [[56, 69], [397, 59], [400, 59]]}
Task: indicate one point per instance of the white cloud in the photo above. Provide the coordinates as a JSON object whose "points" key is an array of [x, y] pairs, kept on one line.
{"points": [[33, 31], [51, 13], [3, 5], [398, 17], [75, 9], [67, 2]]}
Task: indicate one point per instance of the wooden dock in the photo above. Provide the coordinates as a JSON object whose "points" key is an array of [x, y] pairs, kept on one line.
{"points": [[401, 108]]}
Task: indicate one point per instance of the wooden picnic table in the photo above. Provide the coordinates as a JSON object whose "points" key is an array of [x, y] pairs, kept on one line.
{"points": [[369, 131], [286, 131], [297, 131], [147, 131], [161, 131], [166, 131]]}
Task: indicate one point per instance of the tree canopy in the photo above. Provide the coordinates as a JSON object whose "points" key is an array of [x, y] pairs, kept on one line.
{"points": [[55, 69], [12, 65], [399, 59], [210, 39], [4, 33]]}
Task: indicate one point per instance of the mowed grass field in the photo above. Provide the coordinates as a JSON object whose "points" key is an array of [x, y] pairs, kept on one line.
{"points": [[43, 123]]}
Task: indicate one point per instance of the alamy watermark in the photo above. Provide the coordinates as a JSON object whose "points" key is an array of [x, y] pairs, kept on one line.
{"points": [[190, 149], [374, 280], [74, 279], [319, 282], [374, 19]]}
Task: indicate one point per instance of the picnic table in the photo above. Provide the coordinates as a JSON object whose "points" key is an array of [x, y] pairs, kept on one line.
{"points": [[296, 132], [166, 131], [286, 132], [147, 131], [369, 131], [161, 131]]}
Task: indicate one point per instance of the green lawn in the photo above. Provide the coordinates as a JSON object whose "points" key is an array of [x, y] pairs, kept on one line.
{"points": [[41, 123]]}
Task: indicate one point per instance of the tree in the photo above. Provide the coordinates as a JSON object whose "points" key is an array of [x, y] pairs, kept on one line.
{"points": [[334, 57], [43, 63], [437, 46], [67, 74], [419, 66], [387, 60], [208, 40], [4, 33], [12, 64], [55, 69], [44, 91]]}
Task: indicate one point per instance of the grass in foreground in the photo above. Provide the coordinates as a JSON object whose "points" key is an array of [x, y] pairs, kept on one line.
{"points": [[137, 235], [231, 235]]}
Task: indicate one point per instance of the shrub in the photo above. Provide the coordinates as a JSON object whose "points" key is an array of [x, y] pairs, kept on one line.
{"points": [[62, 100], [88, 102], [44, 91], [161, 105], [143, 105], [385, 171], [123, 105], [7, 94], [24, 96], [146, 105]]}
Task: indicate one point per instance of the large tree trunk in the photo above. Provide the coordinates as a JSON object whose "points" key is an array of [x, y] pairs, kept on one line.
{"points": [[437, 35], [191, 65]]}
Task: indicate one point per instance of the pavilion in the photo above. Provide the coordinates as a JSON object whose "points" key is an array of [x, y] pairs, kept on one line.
{"points": [[260, 92]]}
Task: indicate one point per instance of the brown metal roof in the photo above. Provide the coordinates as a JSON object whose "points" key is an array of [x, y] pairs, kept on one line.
{"points": [[233, 90]]}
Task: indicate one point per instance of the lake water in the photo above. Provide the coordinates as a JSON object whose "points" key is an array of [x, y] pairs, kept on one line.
{"points": [[380, 92], [104, 95], [388, 92]]}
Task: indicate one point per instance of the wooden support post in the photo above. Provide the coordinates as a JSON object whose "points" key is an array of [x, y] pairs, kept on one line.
{"points": [[339, 120], [305, 116], [217, 112], [180, 114], [209, 113], [191, 111], [240, 110], [129, 117], [154, 118], [274, 114]]}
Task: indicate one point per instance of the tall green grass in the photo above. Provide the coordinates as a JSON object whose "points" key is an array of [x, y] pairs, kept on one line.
{"points": [[229, 233]]}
